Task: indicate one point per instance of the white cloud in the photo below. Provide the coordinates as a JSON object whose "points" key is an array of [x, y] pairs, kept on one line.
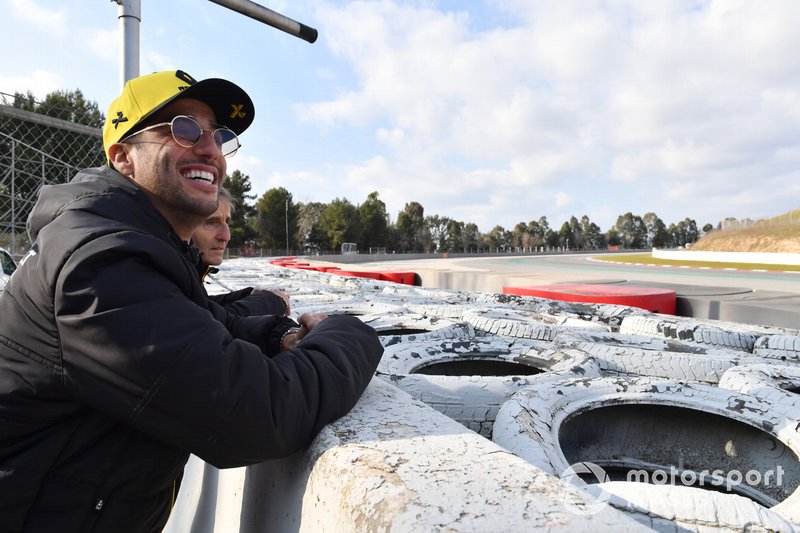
{"points": [[40, 83], [51, 20]]}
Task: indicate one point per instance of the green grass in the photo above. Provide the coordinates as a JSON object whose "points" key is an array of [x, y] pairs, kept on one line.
{"points": [[648, 259]]}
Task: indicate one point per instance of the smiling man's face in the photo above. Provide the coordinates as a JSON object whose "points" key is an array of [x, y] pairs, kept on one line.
{"points": [[182, 181]]}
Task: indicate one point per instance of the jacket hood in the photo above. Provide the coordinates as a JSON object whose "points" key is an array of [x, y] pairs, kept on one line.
{"points": [[94, 190]]}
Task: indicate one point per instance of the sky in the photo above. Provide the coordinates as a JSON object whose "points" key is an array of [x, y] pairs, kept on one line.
{"points": [[490, 112]]}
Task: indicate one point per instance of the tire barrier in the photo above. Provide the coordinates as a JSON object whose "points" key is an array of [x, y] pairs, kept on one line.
{"points": [[354, 307], [511, 324], [407, 324], [608, 314], [772, 382], [659, 431], [690, 331], [645, 400], [681, 366], [457, 331], [783, 347], [647, 343], [679, 508], [468, 379]]}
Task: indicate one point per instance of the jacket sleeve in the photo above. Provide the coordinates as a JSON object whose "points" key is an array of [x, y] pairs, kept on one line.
{"points": [[135, 347], [245, 302], [229, 297]]}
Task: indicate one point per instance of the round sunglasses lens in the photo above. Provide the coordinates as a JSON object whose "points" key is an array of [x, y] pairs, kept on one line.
{"points": [[227, 141], [186, 131]]}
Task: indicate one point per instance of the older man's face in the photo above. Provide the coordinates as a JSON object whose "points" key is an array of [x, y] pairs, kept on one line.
{"points": [[213, 235]]}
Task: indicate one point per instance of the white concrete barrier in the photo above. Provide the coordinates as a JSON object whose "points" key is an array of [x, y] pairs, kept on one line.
{"points": [[392, 464], [766, 258]]}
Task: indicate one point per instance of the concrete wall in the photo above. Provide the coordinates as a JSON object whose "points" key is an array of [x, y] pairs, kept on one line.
{"points": [[391, 464]]}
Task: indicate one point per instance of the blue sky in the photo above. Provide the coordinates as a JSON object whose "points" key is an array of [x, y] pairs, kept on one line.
{"points": [[492, 112]]}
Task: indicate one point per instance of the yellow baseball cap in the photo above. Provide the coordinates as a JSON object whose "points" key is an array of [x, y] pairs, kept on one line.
{"points": [[143, 96]]}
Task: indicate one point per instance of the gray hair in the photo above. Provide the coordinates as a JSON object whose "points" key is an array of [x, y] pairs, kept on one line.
{"points": [[225, 195]]}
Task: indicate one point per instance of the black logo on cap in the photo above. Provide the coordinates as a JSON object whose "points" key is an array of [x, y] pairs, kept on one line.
{"points": [[117, 121], [181, 75]]}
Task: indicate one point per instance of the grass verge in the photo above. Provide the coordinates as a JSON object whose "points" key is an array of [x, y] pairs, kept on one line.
{"points": [[648, 259]]}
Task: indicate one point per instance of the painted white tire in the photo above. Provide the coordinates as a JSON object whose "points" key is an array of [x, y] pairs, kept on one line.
{"points": [[771, 382], [785, 348], [679, 508], [645, 342], [607, 314], [647, 424], [452, 375], [627, 359], [459, 330], [689, 330]]}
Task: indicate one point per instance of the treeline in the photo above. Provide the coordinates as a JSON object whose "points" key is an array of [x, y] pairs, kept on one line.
{"points": [[276, 222]]}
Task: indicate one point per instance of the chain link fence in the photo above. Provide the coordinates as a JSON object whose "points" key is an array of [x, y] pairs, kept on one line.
{"points": [[39, 144]]}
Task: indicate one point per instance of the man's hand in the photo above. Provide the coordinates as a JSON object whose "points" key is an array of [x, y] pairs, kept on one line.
{"points": [[307, 323], [284, 295]]}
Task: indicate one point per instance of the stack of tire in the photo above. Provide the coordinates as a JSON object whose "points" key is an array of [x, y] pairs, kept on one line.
{"points": [[685, 424]]}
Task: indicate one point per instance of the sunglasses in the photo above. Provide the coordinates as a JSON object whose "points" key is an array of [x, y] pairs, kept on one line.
{"points": [[187, 132]]}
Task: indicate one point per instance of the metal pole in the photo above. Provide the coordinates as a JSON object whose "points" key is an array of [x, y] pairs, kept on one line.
{"points": [[286, 218], [271, 18], [129, 14], [13, 196]]}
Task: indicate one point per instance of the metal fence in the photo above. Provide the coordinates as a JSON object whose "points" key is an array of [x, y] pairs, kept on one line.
{"points": [[35, 150]]}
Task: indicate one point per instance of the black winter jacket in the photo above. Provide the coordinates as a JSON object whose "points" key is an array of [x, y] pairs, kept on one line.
{"points": [[114, 366], [243, 302]]}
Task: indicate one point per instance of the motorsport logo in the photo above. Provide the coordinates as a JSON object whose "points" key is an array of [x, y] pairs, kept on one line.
{"points": [[580, 475]]}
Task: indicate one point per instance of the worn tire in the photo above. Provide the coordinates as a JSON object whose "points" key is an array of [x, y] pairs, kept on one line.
{"points": [[469, 379], [785, 348], [646, 424]]}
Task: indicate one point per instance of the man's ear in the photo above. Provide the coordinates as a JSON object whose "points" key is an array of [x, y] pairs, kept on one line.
{"points": [[120, 158]]}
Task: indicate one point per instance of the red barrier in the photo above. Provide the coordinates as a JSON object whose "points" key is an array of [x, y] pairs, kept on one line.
{"points": [[328, 269], [651, 299], [406, 278], [357, 274]]}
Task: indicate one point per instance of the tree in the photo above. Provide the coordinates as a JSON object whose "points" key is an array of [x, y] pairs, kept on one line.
{"points": [[565, 237], [339, 221], [631, 229], [472, 237], [684, 232], [411, 228], [372, 216], [591, 236], [275, 213], [437, 229], [310, 233], [455, 236], [499, 239], [238, 185], [657, 234], [520, 236]]}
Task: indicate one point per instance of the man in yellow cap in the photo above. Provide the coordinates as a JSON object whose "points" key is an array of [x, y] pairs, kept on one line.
{"points": [[114, 365]]}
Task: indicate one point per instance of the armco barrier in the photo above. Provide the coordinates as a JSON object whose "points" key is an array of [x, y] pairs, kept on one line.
{"points": [[391, 464]]}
